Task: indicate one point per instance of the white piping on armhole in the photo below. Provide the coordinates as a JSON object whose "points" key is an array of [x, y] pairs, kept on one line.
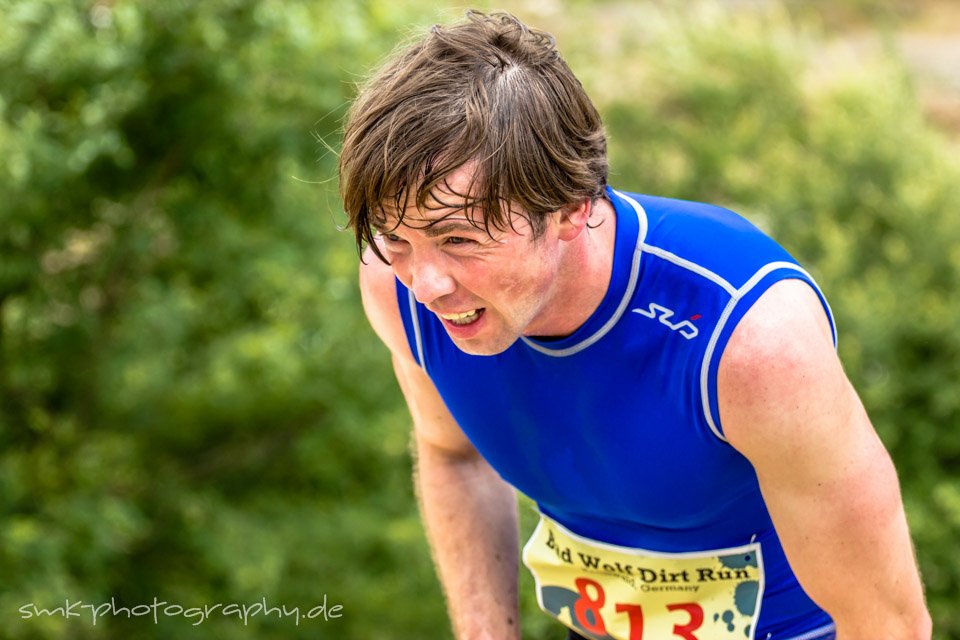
{"points": [[417, 336], [725, 316]]}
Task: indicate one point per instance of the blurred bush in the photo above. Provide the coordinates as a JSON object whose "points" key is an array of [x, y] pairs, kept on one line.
{"points": [[191, 404]]}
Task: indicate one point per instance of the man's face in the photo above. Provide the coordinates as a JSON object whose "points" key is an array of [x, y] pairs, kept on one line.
{"points": [[487, 289]]}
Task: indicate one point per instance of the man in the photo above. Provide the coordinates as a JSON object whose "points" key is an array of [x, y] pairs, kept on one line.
{"points": [[659, 376]]}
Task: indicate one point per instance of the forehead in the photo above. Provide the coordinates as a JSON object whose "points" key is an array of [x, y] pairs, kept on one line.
{"points": [[453, 199]]}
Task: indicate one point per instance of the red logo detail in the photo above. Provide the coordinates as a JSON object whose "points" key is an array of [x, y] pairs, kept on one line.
{"points": [[696, 317]]}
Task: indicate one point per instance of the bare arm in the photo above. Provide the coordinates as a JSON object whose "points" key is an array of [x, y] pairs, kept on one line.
{"points": [[828, 482], [469, 512], [470, 515]]}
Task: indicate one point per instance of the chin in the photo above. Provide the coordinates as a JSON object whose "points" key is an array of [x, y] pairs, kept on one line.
{"points": [[483, 348]]}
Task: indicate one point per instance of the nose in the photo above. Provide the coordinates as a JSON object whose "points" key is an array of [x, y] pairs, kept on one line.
{"points": [[430, 280]]}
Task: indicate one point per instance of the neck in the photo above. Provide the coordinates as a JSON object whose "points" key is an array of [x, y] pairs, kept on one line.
{"points": [[583, 277]]}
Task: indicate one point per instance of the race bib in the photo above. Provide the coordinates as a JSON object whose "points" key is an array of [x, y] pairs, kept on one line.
{"points": [[605, 591]]}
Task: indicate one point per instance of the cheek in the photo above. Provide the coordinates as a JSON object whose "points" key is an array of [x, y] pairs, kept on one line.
{"points": [[507, 280], [529, 281]]}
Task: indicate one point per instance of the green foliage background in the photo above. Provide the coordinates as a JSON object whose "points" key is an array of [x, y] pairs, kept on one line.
{"points": [[192, 406]]}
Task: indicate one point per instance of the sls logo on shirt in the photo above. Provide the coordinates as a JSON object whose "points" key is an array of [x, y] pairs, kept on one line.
{"points": [[686, 328]]}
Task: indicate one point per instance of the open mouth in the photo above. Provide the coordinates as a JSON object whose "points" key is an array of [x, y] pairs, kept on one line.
{"points": [[462, 319]]}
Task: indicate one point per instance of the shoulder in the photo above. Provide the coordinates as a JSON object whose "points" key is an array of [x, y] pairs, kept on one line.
{"points": [[436, 430], [780, 381], [378, 290], [712, 238]]}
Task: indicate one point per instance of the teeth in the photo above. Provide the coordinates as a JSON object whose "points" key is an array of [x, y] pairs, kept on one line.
{"points": [[458, 316], [461, 318]]}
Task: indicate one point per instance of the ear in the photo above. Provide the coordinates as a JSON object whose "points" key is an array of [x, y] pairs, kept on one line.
{"points": [[572, 219]]}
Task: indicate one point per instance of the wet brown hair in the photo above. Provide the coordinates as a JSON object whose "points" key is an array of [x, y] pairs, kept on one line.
{"points": [[488, 90]]}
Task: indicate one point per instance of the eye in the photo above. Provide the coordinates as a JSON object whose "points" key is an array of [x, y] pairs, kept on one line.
{"points": [[391, 238], [457, 240]]}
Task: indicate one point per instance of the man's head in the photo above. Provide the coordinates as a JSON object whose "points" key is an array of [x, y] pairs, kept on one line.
{"points": [[488, 91]]}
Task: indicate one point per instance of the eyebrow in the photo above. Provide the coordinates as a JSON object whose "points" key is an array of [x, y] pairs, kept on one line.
{"points": [[440, 228], [443, 227]]}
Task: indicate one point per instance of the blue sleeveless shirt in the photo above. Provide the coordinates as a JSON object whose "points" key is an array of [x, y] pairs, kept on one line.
{"points": [[614, 431]]}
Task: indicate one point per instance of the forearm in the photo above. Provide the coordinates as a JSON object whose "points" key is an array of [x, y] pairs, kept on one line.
{"points": [[470, 515]]}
